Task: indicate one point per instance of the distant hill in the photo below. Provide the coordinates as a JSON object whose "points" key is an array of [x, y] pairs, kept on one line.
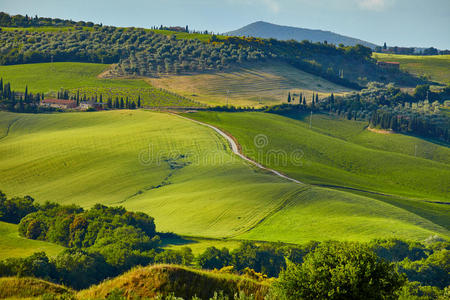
{"points": [[267, 30]]}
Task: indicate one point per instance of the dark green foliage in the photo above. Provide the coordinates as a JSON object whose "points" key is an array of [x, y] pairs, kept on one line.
{"points": [[36, 265], [14, 209], [433, 270], [73, 227], [266, 258], [20, 102], [397, 250], [80, 269], [7, 20], [214, 258], [145, 53], [387, 107], [340, 271]]}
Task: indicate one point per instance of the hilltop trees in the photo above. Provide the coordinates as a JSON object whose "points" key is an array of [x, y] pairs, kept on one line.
{"points": [[12, 210], [140, 52]]}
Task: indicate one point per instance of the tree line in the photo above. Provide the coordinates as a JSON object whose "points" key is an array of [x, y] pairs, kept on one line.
{"points": [[141, 52], [382, 106], [14, 101], [105, 241], [7, 20]]}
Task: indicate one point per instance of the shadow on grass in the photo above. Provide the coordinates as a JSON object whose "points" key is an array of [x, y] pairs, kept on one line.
{"points": [[172, 239]]}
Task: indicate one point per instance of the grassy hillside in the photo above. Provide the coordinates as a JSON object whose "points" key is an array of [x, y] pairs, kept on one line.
{"points": [[342, 153], [83, 77], [182, 281], [434, 67], [329, 159], [184, 175], [179, 172], [12, 245], [251, 85], [20, 288]]}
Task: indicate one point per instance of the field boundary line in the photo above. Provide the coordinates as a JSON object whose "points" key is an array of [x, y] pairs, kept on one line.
{"points": [[8, 128]]}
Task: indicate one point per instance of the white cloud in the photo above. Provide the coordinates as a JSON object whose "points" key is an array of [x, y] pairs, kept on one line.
{"points": [[272, 5], [377, 5]]}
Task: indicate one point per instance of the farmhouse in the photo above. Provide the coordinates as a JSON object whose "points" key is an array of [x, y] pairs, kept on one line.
{"points": [[59, 103], [389, 65], [95, 105]]}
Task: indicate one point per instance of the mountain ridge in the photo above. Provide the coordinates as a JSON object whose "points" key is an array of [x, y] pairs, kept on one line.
{"points": [[263, 29]]}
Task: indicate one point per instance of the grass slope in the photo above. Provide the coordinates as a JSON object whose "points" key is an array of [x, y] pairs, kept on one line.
{"points": [[330, 159], [181, 281], [255, 85], [20, 288], [177, 171], [184, 175], [83, 77], [434, 67], [13, 245], [340, 152]]}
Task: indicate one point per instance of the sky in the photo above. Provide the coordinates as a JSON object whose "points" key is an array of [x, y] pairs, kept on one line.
{"points": [[411, 23]]}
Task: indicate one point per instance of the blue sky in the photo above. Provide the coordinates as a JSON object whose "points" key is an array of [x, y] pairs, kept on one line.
{"points": [[419, 23]]}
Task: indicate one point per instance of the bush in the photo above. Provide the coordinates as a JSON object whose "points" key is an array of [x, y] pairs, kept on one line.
{"points": [[340, 271]]}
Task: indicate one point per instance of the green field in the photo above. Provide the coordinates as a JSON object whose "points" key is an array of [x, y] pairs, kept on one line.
{"points": [[12, 245], [434, 67], [343, 153], [83, 77], [185, 176], [252, 85]]}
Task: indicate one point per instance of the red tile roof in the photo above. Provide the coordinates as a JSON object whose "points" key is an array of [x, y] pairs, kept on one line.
{"points": [[59, 101]]}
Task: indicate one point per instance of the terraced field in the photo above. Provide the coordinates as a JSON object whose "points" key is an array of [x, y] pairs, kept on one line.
{"points": [[434, 67], [184, 175], [255, 85]]}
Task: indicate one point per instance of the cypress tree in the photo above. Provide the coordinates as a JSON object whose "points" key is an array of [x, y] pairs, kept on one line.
{"points": [[139, 101], [121, 103], [1, 84], [289, 97]]}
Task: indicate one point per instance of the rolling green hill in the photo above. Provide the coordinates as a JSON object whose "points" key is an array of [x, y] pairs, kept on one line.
{"points": [[342, 153], [49, 78], [185, 176], [435, 67], [330, 159], [12, 245]]}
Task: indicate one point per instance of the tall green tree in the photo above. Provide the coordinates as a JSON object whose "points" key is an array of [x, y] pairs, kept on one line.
{"points": [[340, 271]]}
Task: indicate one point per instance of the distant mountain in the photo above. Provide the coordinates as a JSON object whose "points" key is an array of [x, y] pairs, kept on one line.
{"points": [[267, 30]]}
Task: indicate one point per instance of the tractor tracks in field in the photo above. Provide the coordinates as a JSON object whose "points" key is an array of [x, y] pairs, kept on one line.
{"points": [[8, 128]]}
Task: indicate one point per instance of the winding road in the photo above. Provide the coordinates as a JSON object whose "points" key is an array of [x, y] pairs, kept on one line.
{"points": [[235, 148]]}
